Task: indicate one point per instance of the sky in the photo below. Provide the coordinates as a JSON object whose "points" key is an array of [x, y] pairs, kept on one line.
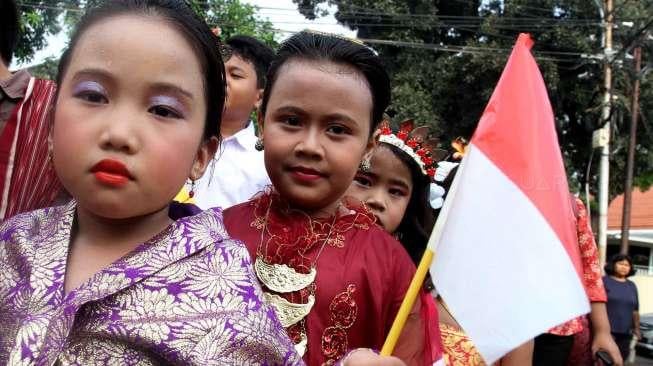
{"points": [[282, 14]]}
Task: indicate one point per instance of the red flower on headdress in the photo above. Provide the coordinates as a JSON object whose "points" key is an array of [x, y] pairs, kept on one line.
{"points": [[385, 129]]}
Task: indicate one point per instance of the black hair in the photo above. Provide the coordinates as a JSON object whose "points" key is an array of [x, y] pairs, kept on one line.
{"points": [[253, 51], [321, 47], [9, 27], [415, 227], [205, 44], [609, 265]]}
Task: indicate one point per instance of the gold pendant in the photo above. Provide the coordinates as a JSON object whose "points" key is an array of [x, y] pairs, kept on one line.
{"points": [[282, 278], [288, 312], [301, 346]]}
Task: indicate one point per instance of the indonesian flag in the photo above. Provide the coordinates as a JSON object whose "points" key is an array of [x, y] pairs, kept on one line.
{"points": [[507, 261]]}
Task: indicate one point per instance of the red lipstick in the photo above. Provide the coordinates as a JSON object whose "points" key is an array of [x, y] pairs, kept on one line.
{"points": [[111, 173], [305, 174]]}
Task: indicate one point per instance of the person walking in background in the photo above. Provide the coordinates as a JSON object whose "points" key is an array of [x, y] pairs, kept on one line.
{"points": [[237, 171], [623, 302], [557, 346], [27, 178]]}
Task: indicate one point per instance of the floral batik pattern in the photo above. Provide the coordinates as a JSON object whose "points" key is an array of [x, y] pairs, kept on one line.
{"points": [[187, 296], [592, 278], [458, 348]]}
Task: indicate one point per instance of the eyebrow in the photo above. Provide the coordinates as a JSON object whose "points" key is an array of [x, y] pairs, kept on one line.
{"points": [[301, 112], [171, 88], [165, 87], [101, 73], [236, 68], [399, 182]]}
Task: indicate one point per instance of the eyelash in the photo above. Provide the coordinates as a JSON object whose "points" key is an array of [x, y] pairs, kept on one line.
{"points": [[290, 120], [92, 96], [344, 129], [363, 180], [171, 113]]}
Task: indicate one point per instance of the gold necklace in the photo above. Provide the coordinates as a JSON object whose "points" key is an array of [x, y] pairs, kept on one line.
{"points": [[282, 278]]}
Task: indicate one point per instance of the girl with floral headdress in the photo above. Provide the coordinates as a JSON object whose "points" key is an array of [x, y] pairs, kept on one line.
{"points": [[404, 186]]}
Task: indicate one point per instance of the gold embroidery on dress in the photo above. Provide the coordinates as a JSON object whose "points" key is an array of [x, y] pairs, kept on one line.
{"points": [[343, 310], [283, 278]]}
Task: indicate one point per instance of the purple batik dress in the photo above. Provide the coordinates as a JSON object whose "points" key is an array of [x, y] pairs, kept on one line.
{"points": [[188, 296]]}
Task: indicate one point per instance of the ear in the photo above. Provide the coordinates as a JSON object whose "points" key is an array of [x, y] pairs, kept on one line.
{"points": [[372, 143], [259, 99], [204, 156]]}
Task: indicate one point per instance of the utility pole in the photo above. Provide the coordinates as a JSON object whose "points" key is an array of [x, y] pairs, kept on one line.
{"points": [[603, 138], [630, 163]]}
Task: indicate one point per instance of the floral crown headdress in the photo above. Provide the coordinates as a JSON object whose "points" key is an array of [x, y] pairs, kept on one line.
{"points": [[415, 143], [433, 162]]}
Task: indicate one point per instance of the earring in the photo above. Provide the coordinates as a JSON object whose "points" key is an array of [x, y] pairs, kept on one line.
{"points": [[192, 189], [259, 144], [365, 166]]}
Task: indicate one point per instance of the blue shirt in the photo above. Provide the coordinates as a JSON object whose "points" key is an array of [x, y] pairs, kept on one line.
{"points": [[622, 302]]}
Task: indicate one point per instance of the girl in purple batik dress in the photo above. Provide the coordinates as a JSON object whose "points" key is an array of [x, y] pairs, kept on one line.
{"points": [[118, 276]]}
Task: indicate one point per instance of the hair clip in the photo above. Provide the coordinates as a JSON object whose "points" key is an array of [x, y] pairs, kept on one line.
{"points": [[460, 145]]}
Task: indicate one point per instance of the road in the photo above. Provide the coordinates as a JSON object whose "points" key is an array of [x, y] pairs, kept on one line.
{"points": [[642, 361]]}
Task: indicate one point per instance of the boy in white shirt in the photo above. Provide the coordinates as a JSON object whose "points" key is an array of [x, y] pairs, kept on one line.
{"points": [[238, 171]]}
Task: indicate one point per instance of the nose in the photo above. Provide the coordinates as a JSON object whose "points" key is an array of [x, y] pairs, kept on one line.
{"points": [[376, 201], [310, 146], [119, 133]]}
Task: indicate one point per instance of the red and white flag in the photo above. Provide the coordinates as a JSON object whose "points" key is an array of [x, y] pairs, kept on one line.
{"points": [[507, 261]]}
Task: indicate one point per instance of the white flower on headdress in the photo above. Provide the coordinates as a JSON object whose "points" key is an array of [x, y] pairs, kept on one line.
{"points": [[443, 170], [436, 193]]}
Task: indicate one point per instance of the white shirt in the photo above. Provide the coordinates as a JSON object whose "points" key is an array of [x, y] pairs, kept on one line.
{"points": [[235, 174]]}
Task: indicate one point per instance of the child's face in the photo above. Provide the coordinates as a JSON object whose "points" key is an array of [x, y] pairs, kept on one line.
{"points": [[386, 189], [130, 117], [243, 94], [316, 132]]}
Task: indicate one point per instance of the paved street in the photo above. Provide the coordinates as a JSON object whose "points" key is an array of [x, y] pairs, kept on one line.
{"points": [[642, 361]]}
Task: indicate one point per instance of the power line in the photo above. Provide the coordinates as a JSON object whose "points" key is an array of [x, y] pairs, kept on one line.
{"points": [[542, 55]]}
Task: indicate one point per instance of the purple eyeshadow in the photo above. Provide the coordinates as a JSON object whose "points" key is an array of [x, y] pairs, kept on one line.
{"points": [[170, 102], [88, 86]]}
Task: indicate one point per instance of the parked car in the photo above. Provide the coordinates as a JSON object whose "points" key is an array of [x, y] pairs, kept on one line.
{"points": [[645, 345]]}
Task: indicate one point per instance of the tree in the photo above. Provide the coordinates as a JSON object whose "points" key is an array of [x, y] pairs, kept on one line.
{"points": [[41, 18], [445, 57]]}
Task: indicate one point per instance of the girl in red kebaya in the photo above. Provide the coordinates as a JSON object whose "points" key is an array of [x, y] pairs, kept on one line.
{"points": [[334, 278]]}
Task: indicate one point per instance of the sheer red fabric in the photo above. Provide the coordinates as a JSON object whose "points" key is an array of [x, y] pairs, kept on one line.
{"points": [[362, 275]]}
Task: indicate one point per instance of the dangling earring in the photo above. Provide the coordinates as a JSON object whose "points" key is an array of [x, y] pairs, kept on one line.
{"points": [[191, 194], [365, 166], [259, 144]]}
